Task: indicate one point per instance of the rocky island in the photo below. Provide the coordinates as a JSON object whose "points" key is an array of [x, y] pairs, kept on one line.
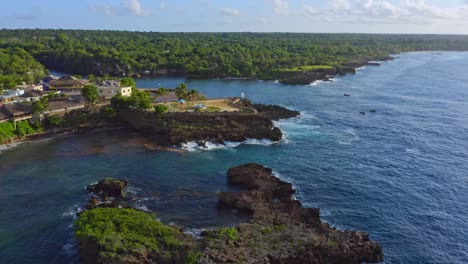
{"points": [[280, 229]]}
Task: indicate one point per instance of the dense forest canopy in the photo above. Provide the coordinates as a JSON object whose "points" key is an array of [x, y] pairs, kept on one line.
{"points": [[16, 66], [202, 54]]}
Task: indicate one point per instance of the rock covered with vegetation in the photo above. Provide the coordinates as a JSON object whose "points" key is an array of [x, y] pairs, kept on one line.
{"points": [[219, 127], [281, 230], [125, 235]]}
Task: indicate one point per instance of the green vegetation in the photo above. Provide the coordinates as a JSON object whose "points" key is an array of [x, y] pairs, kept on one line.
{"points": [[90, 93], [23, 128], [204, 54], [182, 92], [17, 65], [139, 100], [7, 131], [119, 232], [304, 68], [229, 233], [41, 105], [128, 82], [161, 109]]}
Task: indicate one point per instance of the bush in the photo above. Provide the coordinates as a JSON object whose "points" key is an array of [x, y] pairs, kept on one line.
{"points": [[24, 128], [109, 112], [161, 109], [7, 131], [125, 231], [54, 121]]}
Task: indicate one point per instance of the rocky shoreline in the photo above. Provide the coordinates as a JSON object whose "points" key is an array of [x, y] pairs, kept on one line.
{"points": [[178, 128], [280, 229], [254, 121]]}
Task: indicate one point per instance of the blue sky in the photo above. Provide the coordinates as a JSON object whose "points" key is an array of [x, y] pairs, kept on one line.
{"points": [[367, 16]]}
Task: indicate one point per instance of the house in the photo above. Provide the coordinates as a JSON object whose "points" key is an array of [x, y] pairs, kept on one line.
{"points": [[169, 97], [68, 83], [107, 92], [9, 96], [32, 95], [30, 87], [107, 83], [15, 112]]}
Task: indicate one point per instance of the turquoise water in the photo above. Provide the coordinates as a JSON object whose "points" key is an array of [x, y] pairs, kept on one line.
{"points": [[400, 174]]}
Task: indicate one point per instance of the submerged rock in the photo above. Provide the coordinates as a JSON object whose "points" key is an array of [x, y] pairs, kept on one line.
{"points": [[281, 230]]}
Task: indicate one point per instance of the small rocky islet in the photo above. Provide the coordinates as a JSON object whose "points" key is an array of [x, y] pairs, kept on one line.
{"points": [[279, 229]]}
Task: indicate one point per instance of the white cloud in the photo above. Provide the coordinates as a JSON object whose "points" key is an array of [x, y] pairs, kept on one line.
{"points": [[162, 4], [107, 10], [312, 11], [127, 7], [229, 12], [387, 11], [280, 7], [339, 5], [134, 7]]}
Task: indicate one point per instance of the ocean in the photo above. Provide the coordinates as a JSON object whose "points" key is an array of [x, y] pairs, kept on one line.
{"points": [[399, 172]]}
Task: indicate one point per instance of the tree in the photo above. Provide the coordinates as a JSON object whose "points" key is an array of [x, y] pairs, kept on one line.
{"points": [[161, 109], [140, 100], [41, 105], [90, 93], [181, 90], [127, 81], [162, 92]]}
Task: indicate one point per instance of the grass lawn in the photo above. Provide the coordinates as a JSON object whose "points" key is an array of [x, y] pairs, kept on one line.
{"points": [[212, 105]]}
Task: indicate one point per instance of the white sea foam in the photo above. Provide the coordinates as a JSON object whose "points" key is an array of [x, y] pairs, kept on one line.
{"points": [[142, 208], [70, 248], [351, 136], [193, 146], [196, 232], [413, 151], [315, 83], [73, 211], [9, 146]]}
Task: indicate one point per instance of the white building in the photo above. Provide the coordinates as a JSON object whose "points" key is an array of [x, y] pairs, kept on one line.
{"points": [[107, 92]]}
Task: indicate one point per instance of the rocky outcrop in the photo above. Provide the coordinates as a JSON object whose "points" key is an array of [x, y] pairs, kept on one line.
{"points": [[107, 192], [281, 230], [178, 128], [308, 77]]}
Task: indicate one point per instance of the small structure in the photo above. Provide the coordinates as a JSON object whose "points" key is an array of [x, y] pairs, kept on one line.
{"points": [[32, 95], [30, 87], [10, 96], [169, 97], [106, 93], [49, 78], [108, 83], [181, 101], [68, 83], [199, 106]]}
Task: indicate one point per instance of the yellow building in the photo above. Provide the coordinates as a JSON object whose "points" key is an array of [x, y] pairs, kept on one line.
{"points": [[107, 92]]}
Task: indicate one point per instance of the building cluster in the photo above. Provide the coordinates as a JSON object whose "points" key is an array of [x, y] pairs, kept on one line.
{"points": [[16, 104], [67, 84]]}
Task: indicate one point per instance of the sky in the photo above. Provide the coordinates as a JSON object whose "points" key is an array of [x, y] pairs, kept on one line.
{"points": [[336, 16]]}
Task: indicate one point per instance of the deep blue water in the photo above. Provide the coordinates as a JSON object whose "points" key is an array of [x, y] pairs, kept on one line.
{"points": [[400, 174]]}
